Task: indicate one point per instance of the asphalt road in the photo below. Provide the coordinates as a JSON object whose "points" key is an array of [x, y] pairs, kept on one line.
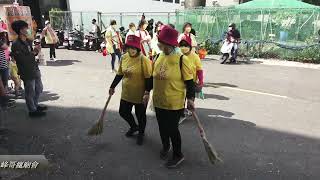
{"points": [[263, 121]]}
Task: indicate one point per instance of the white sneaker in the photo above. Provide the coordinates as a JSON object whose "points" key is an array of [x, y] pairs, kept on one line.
{"points": [[51, 59], [55, 59]]}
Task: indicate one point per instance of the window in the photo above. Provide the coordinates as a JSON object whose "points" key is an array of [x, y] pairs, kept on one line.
{"points": [[177, 1], [170, 1]]}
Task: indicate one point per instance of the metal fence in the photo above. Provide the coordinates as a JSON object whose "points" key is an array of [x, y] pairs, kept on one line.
{"points": [[68, 20]]}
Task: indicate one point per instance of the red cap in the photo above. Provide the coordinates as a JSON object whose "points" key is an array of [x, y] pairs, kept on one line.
{"points": [[133, 41], [168, 36], [187, 39]]}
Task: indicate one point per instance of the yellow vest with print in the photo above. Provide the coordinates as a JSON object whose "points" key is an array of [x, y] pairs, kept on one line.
{"points": [[169, 90], [134, 71], [196, 64]]}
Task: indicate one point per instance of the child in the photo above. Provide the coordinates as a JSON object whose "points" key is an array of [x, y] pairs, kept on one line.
{"points": [[40, 57], [15, 78]]}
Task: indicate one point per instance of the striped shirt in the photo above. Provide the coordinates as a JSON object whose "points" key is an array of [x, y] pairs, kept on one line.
{"points": [[3, 59]]}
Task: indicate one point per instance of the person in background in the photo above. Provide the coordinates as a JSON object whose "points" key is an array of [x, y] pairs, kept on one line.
{"points": [[114, 43], [34, 27], [143, 17], [135, 71], [150, 27], [154, 41], [96, 31], [172, 26], [4, 61], [233, 36], [172, 82], [51, 39], [187, 28], [15, 78], [5, 102], [143, 34], [185, 45], [132, 30], [3, 25], [29, 71]]}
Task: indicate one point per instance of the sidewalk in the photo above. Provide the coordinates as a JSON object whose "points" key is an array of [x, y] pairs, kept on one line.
{"points": [[274, 62]]}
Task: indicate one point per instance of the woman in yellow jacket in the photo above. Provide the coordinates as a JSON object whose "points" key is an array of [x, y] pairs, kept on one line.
{"points": [[185, 44], [135, 71], [172, 82]]}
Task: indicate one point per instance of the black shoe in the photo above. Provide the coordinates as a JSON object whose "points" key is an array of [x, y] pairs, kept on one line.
{"points": [[175, 161], [140, 139], [37, 114], [164, 153], [42, 108], [131, 132]]}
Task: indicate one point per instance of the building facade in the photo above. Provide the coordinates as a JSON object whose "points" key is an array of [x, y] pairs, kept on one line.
{"points": [[109, 6]]}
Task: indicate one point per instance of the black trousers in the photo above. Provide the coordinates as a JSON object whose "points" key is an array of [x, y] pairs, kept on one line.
{"points": [[96, 41], [117, 52], [168, 121], [140, 111], [52, 50]]}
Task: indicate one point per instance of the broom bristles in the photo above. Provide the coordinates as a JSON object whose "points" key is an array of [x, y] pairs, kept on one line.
{"points": [[212, 153], [96, 129]]}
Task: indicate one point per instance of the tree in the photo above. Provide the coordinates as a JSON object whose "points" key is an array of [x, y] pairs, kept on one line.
{"points": [[315, 2]]}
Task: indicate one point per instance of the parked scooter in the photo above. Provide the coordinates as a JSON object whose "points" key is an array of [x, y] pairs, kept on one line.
{"points": [[66, 41], [60, 34], [75, 39], [89, 42]]}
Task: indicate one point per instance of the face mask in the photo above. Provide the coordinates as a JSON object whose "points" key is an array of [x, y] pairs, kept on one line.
{"points": [[132, 52], [29, 32], [185, 50], [188, 29], [26, 32], [230, 28]]}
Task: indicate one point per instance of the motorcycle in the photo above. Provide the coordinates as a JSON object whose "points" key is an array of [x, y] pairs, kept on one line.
{"points": [[66, 41], [75, 39], [60, 35]]}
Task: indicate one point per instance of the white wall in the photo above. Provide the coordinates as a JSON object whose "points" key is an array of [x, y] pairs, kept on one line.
{"points": [[223, 2], [123, 6]]}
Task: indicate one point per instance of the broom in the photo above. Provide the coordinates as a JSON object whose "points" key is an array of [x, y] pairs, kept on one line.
{"points": [[212, 153], [97, 129]]}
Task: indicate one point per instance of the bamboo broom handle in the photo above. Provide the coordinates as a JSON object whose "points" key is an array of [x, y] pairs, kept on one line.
{"points": [[104, 109]]}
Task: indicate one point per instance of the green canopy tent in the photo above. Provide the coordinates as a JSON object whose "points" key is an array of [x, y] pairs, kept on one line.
{"points": [[271, 4]]}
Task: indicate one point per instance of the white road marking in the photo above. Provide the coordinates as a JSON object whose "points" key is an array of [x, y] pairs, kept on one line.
{"points": [[255, 92]]}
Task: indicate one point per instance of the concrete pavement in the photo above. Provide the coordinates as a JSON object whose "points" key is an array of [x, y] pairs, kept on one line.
{"points": [[263, 120]]}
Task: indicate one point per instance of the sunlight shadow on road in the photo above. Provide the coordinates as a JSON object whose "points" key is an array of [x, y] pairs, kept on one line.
{"points": [[248, 151], [62, 62], [217, 97], [218, 85]]}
